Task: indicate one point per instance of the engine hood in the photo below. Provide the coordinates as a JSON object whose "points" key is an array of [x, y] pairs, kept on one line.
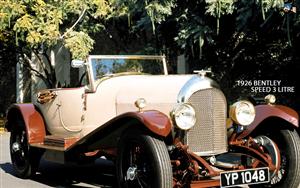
{"points": [[160, 92]]}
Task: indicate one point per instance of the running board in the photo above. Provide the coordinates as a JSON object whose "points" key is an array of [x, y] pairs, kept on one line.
{"points": [[55, 147], [43, 146], [58, 141], [52, 153], [53, 142]]}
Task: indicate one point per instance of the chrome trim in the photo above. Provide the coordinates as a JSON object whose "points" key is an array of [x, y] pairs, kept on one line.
{"points": [[210, 153], [136, 57], [226, 165], [164, 61], [209, 135], [199, 83], [196, 83], [90, 73]]}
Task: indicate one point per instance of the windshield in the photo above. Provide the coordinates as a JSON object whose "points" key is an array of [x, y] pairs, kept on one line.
{"points": [[104, 66]]}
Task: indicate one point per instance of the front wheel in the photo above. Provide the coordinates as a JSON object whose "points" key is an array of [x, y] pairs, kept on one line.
{"points": [[143, 161], [288, 143]]}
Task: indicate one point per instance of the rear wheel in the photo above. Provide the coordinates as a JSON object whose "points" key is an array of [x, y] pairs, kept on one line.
{"points": [[143, 161], [25, 159]]}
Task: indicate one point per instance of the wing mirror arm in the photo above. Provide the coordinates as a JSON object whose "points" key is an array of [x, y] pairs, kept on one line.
{"points": [[77, 63]]}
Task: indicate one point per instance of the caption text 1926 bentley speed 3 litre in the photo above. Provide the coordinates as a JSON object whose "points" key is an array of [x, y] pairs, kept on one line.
{"points": [[161, 130]]}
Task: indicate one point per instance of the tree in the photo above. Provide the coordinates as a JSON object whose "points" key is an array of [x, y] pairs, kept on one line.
{"points": [[216, 8], [231, 36], [37, 26], [7, 76], [238, 39]]}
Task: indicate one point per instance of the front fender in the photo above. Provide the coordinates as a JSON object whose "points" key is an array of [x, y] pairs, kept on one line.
{"points": [[34, 123], [264, 112], [157, 122], [107, 134]]}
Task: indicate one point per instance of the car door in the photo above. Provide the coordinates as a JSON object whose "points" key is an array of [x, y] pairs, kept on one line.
{"points": [[64, 111]]}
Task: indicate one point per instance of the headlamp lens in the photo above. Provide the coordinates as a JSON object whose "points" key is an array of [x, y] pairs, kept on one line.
{"points": [[184, 116], [242, 112]]}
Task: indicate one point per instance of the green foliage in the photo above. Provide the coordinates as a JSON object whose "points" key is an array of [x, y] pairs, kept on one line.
{"points": [[217, 8], [101, 8], [79, 43], [150, 12], [193, 32], [38, 25], [157, 11], [40, 22], [267, 5], [196, 31], [9, 11], [270, 4], [198, 28]]}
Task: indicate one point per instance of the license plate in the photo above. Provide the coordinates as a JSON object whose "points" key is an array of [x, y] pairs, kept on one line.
{"points": [[245, 177]]}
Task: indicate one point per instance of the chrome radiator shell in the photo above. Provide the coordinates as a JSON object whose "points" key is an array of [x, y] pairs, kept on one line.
{"points": [[209, 135]]}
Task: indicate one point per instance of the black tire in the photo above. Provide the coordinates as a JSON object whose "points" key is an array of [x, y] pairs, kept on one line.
{"points": [[25, 159], [143, 161], [288, 143]]}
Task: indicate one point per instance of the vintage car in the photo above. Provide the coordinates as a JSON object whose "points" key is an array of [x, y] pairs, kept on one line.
{"points": [[160, 130]]}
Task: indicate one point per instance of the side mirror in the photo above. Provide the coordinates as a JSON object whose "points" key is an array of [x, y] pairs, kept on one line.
{"points": [[77, 63]]}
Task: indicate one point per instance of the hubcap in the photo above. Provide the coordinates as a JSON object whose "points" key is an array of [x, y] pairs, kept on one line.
{"points": [[19, 152], [15, 147], [131, 173]]}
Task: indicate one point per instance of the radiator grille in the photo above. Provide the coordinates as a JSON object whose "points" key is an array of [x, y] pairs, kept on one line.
{"points": [[208, 136]]}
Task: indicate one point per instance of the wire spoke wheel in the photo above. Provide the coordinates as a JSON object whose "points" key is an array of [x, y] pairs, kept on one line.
{"points": [[285, 156], [25, 160], [143, 161], [139, 173], [288, 143]]}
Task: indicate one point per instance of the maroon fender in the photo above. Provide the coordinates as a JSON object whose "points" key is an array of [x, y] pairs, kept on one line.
{"points": [[33, 120], [266, 111], [155, 121]]}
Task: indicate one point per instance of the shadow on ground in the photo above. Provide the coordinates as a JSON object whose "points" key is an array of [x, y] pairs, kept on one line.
{"points": [[7, 167], [99, 174]]}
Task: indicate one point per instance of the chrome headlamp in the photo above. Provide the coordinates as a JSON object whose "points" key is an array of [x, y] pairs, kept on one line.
{"points": [[242, 112], [184, 116]]}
